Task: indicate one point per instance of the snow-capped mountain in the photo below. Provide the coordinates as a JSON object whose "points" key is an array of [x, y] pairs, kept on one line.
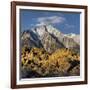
{"points": [[49, 38], [70, 35], [75, 37]]}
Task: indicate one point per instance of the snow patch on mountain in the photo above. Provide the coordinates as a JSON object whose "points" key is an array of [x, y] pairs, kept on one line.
{"points": [[50, 38]]}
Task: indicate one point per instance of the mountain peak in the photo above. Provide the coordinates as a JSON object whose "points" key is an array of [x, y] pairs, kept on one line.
{"points": [[70, 35], [49, 38]]}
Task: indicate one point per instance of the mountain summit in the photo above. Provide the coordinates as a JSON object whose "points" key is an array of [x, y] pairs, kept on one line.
{"points": [[49, 38]]}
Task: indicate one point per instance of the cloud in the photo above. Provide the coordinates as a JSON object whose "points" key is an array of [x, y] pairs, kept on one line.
{"points": [[40, 24], [50, 20], [32, 25], [69, 26]]}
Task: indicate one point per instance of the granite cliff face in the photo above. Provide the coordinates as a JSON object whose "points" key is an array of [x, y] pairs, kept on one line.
{"points": [[49, 38]]}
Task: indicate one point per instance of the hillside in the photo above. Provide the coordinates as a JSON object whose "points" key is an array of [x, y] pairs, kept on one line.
{"points": [[47, 52]]}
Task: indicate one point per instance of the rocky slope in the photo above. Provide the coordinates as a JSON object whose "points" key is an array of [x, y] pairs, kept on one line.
{"points": [[49, 38], [75, 37]]}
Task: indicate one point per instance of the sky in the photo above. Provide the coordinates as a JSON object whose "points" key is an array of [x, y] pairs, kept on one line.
{"points": [[65, 22]]}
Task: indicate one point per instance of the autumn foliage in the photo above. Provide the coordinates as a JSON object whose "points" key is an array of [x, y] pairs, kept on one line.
{"points": [[36, 62]]}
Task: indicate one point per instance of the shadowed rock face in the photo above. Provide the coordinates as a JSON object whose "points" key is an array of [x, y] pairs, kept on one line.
{"points": [[49, 38]]}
